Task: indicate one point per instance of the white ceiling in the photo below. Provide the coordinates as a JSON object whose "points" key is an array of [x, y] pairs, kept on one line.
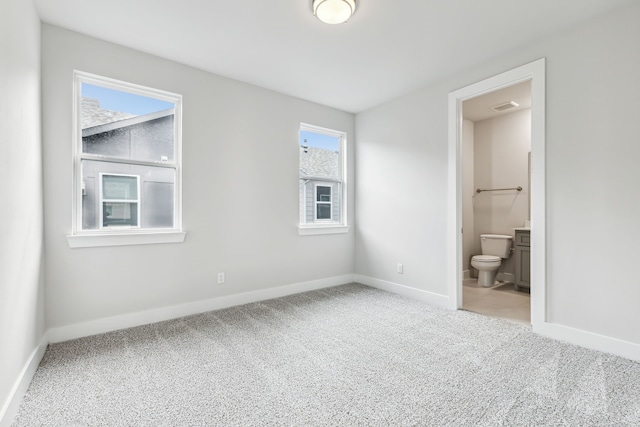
{"points": [[479, 108], [389, 47]]}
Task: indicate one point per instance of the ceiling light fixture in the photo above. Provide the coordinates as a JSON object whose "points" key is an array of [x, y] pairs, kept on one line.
{"points": [[334, 11]]}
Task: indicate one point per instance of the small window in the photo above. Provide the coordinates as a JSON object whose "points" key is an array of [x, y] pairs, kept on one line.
{"points": [[120, 201], [322, 183], [127, 157], [323, 203]]}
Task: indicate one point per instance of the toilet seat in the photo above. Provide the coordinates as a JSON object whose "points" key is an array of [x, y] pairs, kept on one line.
{"points": [[486, 258]]}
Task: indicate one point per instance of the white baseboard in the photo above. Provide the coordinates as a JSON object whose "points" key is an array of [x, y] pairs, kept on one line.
{"points": [[590, 340], [114, 323], [10, 407], [406, 291]]}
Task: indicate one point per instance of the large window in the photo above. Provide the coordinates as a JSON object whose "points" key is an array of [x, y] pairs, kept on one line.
{"points": [[322, 180], [127, 158]]}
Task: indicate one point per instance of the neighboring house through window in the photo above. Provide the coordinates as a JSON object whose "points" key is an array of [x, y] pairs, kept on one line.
{"points": [[322, 180], [127, 160], [119, 201], [323, 202]]}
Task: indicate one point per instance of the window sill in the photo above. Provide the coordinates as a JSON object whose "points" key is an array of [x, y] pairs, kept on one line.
{"points": [[314, 229], [124, 239]]}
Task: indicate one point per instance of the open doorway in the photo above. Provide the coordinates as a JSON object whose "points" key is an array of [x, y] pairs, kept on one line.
{"points": [[535, 74], [495, 151]]}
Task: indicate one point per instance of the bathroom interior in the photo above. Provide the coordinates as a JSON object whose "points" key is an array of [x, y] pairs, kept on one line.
{"points": [[496, 203]]}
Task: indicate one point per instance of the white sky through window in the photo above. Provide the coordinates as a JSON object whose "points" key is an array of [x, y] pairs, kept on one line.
{"points": [[312, 139], [116, 100]]}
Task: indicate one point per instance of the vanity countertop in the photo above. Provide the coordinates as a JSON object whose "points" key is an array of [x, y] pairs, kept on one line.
{"points": [[522, 228]]}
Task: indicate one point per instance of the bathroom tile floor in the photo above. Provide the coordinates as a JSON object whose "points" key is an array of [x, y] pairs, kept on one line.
{"points": [[500, 300]]}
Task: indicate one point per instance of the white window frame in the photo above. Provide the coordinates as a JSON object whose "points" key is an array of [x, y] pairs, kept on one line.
{"points": [[137, 201], [117, 236], [324, 226], [317, 202]]}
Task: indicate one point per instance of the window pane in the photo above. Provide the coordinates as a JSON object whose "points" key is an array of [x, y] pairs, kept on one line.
{"points": [[323, 194], [323, 211], [123, 125], [157, 189], [157, 210], [116, 187], [119, 214], [319, 155]]}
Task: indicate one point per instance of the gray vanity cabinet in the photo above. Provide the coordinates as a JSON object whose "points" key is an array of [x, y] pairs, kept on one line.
{"points": [[523, 259]]}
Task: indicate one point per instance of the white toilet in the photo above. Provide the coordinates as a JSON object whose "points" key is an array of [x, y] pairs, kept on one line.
{"points": [[494, 247]]}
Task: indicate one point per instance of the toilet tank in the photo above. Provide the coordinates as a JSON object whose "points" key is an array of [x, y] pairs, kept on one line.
{"points": [[496, 245]]}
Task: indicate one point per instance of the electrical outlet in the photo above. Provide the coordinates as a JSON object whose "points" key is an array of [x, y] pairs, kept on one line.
{"points": [[220, 278], [400, 268]]}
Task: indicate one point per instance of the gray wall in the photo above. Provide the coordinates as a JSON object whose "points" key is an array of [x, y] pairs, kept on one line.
{"points": [[21, 254], [240, 189], [592, 175], [147, 141]]}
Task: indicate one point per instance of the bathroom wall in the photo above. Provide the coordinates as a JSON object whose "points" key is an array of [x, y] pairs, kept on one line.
{"points": [[501, 148], [468, 191]]}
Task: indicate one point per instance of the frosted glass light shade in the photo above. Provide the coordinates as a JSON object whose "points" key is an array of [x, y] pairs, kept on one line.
{"points": [[334, 11]]}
